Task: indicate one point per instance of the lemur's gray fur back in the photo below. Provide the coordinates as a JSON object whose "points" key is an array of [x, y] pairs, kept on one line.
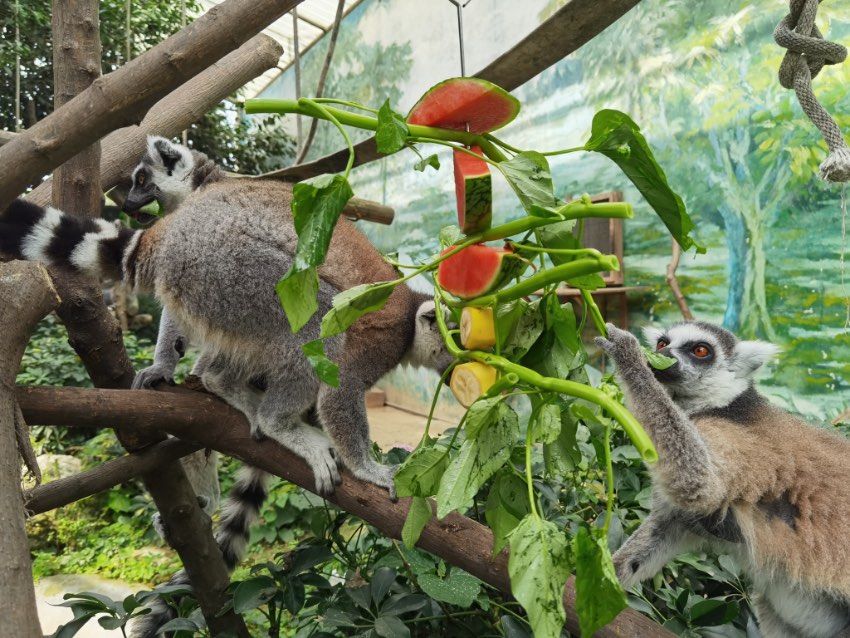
{"points": [[740, 476]]}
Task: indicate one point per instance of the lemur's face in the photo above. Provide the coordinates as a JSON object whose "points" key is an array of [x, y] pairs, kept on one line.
{"points": [[428, 349], [163, 175], [710, 361]]}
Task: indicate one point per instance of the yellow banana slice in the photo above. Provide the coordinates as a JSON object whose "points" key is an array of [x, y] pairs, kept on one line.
{"points": [[471, 380], [477, 330]]}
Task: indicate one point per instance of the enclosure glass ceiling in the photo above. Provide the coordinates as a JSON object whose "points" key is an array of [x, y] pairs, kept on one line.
{"points": [[315, 18]]}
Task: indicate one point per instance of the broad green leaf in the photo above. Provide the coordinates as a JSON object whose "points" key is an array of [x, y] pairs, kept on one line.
{"points": [[391, 627], [526, 332], [297, 293], [560, 236], [432, 160], [507, 505], [421, 472], [485, 412], [593, 281], [506, 317], [382, 580], [458, 588], [70, 629], [558, 351], [713, 611], [514, 628], [326, 369], [399, 604], [529, 176], [338, 618], [294, 595], [658, 360], [562, 455], [547, 425], [111, 622], [392, 132], [476, 462], [417, 518], [539, 565], [616, 136], [599, 596], [308, 558], [351, 304], [252, 593], [316, 206], [180, 624]]}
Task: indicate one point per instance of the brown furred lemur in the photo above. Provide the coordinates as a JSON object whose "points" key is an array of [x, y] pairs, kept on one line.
{"points": [[739, 476]]}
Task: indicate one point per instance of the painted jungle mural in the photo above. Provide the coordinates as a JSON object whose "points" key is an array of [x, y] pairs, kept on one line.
{"points": [[700, 79]]}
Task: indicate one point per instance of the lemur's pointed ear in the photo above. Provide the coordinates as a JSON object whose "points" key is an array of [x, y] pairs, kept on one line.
{"points": [[165, 153], [751, 355], [652, 335]]}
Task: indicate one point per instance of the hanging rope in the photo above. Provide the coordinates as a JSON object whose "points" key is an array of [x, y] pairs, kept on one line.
{"points": [[807, 54]]}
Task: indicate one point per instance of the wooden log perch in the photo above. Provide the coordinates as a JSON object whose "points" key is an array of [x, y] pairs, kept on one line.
{"points": [[27, 296], [123, 97], [179, 110], [71, 489], [571, 26], [206, 421]]}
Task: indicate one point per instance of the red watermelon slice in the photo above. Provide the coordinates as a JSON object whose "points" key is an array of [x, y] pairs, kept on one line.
{"points": [[459, 102], [477, 270], [474, 192]]}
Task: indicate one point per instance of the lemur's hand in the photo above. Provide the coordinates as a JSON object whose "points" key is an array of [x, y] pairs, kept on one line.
{"points": [[622, 347], [150, 376]]}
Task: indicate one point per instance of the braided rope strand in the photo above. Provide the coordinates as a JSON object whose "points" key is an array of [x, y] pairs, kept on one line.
{"points": [[807, 53]]}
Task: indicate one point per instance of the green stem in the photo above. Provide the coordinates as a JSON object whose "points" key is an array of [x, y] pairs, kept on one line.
{"points": [[609, 470], [512, 149], [354, 105], [589, 303], [554, 251], [443, 378], [630, 425], [543, 278], [529, 443], [323, 112]]}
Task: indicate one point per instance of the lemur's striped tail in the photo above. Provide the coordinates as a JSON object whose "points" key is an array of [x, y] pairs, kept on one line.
{"points": [[239, 511], [92, 246]]}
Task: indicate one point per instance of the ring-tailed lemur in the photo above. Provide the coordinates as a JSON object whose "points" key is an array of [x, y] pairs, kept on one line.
{"points": [[740, 476], [214, 264]]}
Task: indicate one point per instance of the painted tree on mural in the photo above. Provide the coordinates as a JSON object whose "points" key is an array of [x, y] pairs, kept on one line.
{"points": [[744, 133]]}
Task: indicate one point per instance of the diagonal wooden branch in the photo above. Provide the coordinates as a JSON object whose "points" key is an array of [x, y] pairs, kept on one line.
{"points": [[187, 104], [124, 96], [28, 296], [571, 26], [206, 421]]}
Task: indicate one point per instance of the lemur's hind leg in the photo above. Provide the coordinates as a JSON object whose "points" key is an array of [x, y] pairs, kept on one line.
{"points": [[231, 385], [342, 412], [290, 394]]}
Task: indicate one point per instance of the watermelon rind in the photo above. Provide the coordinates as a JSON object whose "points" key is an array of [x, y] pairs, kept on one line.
{"points": [[460, 102], [474, 192], [478, 270]]}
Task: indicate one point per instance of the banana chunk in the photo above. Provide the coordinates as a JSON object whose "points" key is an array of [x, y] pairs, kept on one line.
{"points": [[471, 380], [477, 330]]}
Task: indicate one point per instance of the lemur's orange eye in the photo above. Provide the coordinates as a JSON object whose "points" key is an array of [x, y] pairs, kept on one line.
{"points": [[701, 351], [140, 179], [662, 343]]}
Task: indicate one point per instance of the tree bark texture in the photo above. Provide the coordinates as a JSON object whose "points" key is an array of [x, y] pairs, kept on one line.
{"points": [[208, 422], [123, 97], [76, 64], [123, 148], [27, 296], [571, 26]]}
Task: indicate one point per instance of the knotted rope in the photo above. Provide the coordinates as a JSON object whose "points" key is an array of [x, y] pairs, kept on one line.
{"points": [[807, 54]]}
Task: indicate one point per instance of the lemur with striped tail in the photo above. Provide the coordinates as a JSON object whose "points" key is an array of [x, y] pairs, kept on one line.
{"points": [[213, 264], [739, 476]]}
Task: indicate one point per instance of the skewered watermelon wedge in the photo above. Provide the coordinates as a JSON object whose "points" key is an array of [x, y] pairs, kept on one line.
{"points": [[477, 270], [474, 192], [458, 102]]}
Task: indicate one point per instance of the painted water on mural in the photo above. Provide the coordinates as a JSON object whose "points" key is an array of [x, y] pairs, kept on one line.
{"points": [[700, 79]]}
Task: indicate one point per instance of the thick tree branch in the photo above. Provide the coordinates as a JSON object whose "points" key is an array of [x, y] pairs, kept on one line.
{"points": [[184, 106], [122, 97], [74, 488], [206, 421], [27, 296]]}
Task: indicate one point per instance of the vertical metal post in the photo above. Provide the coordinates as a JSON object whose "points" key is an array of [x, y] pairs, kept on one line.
{"points": [[17, 66], [297, 61], [128, 33], [460, 6], [184, 136]]}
